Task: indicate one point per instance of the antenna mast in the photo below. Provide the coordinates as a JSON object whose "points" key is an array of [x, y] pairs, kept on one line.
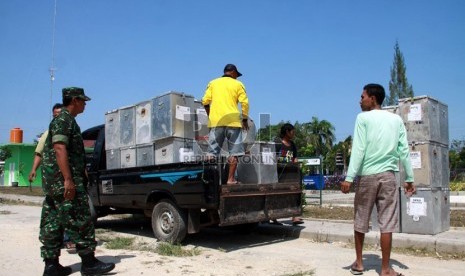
{"points": [[52, 67]]}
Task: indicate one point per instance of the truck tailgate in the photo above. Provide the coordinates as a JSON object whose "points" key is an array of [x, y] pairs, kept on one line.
{"points": [[247, 203]]}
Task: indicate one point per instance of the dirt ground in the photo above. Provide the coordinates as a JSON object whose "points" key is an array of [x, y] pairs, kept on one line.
{"points": [[221, 252]]}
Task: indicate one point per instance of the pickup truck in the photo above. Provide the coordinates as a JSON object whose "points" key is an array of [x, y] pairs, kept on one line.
{"points": [[181, 198]]}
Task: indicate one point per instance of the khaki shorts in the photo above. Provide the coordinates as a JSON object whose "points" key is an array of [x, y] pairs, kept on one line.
{"points": [[380, 189]]}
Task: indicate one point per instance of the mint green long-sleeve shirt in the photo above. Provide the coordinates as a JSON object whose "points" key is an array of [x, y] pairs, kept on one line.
{"points": [[379, 142]]}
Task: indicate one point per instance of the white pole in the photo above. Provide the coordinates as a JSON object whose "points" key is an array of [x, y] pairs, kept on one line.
{"points": [[52, 67]]}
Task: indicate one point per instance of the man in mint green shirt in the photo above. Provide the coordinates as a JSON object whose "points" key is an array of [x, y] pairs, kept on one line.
{"points": [[379, 143]]}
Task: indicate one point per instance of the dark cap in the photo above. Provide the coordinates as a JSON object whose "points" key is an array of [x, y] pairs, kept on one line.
{"points": [[231, 67], [76, 92]]}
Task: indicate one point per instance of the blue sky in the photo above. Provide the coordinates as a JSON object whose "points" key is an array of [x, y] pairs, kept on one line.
{"points": [[300, 58]]}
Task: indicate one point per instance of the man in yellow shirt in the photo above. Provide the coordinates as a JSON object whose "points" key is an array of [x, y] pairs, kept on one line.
{"points": [[224, 118]]}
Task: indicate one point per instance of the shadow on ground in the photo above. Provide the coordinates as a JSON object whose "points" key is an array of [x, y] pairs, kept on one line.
{"points": [[223, 238]]}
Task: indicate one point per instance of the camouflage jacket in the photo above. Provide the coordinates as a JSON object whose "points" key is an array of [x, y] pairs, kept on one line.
{"points": [[63, 129]]}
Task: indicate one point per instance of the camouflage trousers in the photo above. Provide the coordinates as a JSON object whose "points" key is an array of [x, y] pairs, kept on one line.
{"points": [[74, 216]]}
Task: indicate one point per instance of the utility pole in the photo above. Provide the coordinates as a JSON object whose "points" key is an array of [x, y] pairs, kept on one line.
{"points": [[52, 68]]}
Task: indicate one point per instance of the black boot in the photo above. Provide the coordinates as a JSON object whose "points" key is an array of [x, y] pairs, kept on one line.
{"points": [[54, 268], [92, 266], [64, 270]]}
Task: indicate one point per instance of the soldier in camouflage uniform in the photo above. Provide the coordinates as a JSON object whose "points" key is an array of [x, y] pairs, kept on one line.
{"points": [[66, 204]]}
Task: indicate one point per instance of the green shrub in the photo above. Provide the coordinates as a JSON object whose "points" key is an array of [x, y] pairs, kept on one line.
{"points": [[457, 186]]}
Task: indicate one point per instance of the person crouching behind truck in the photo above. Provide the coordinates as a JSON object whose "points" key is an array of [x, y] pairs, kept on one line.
{"points": [[65, 205]]}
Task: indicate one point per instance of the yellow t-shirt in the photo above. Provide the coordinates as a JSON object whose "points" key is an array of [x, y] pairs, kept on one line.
{"points": [[223, 94]]}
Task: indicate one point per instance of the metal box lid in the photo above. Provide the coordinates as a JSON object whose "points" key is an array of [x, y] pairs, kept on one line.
{"points": [[425, 118]]}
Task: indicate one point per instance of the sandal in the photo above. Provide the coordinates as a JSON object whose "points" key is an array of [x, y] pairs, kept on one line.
{"points": [[355, 271]]}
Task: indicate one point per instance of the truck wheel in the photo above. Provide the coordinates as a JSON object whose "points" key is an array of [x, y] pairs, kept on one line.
{"points": [[169, 222]]}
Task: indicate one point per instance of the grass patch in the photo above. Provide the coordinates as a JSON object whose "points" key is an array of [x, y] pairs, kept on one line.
{"points": [[131, 243], [5, 212], [457, 218], [457, 186], [302, 273], [175, 250], [331, 212], [120, 243]]}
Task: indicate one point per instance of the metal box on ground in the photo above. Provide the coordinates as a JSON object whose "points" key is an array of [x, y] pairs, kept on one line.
{"points": [[425, 118], [112, 130], [173, 150], [143, 122], [127, 122], [145, 155], [172, 115], [113, 159], [128, 157], [430, 164], [426, 212], [260, 166]]}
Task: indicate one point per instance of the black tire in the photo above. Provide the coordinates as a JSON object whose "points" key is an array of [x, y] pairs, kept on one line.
{"points": [[169, 223]]}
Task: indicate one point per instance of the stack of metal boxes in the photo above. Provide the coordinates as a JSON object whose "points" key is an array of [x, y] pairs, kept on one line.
{"points": [[173, 128], [153, 132], [426, 122]]}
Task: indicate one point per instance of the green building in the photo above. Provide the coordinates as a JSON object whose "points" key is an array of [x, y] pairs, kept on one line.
{"points": [[16, 169]]}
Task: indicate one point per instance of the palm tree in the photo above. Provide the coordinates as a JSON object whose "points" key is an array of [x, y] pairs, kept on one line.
{"points": [[320, 134], [346, 149]]}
